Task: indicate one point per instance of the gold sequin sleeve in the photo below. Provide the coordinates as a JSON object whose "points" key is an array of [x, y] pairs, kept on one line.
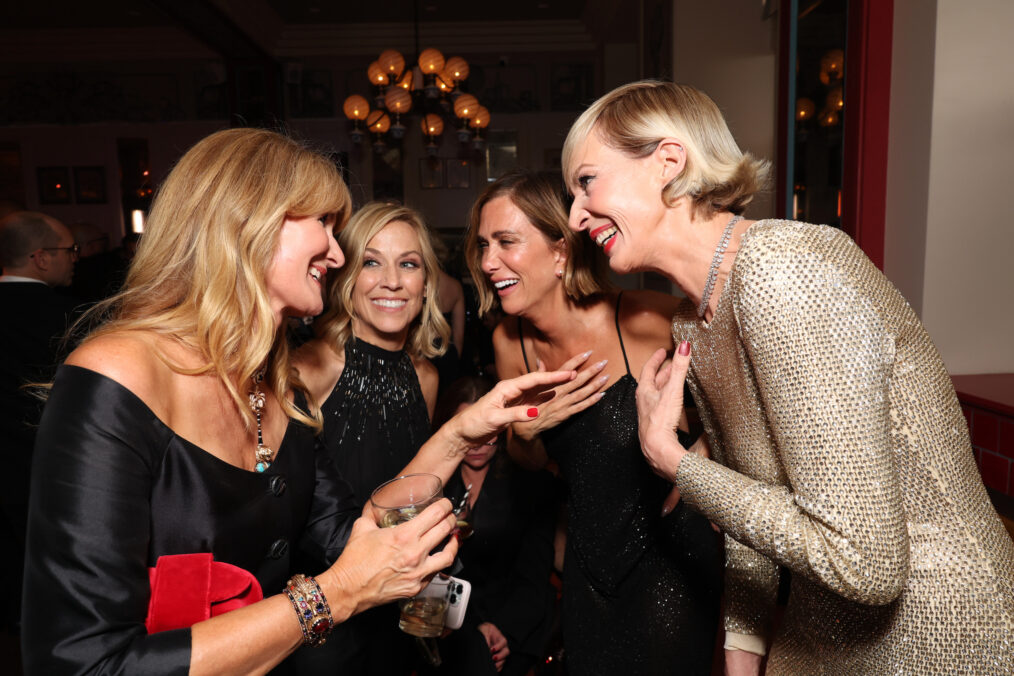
{"points": [[821, 360]]}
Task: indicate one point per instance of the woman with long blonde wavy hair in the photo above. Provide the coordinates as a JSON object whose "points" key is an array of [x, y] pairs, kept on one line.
{"points": [[175, 469], [369, 373]]}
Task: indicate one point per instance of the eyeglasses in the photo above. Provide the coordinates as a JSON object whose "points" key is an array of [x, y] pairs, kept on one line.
{"points": [[74, 249]]}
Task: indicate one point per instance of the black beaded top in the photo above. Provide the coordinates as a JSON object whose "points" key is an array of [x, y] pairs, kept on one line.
{"points": [[375, 418]]}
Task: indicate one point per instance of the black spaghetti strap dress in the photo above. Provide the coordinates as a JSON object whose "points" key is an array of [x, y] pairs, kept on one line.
{"points": [[640, 592]]}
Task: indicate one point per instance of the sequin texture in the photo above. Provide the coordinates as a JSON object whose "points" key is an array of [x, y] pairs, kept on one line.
{"points": [[375, 419], [847, 459]]}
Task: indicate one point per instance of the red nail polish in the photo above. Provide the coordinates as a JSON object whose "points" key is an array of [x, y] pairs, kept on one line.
{"points": [[532, 412], [684, 348]]}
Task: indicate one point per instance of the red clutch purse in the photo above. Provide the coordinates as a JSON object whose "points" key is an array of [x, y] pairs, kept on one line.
{"points": [[189, 588]]}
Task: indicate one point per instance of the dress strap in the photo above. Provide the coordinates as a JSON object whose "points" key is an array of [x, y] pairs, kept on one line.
{"points": [[521, 338], [619, 335]]}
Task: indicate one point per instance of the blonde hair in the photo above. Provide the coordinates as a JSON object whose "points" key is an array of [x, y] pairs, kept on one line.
{"points": [[539, 196], [634, 118], [429, 333], [199, 275]]}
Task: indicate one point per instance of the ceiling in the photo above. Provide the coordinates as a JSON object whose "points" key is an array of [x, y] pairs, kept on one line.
{"points": [[330, 11], [134, 13]]}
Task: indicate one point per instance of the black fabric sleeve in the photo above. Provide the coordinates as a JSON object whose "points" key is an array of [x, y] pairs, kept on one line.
{"points": [[86, 572], [332, 513]]}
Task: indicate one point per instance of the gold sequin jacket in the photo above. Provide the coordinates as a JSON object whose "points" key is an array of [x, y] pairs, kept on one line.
{"points": [[842, 454]]}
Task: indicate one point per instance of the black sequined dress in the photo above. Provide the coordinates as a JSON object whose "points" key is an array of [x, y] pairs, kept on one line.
{"points": [[640, 592], [375, 419]]}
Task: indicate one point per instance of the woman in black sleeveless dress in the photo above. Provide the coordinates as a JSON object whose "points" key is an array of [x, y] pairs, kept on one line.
{"points": [[368, 371], [641, 590]]}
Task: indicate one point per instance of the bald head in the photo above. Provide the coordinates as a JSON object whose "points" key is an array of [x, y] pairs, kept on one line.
{"points": [[38, 246]]}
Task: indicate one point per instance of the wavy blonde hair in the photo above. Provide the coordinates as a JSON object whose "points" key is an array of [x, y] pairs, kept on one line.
{"points": [[634, 118], [539, 196], [199, 273], [428, 333]]}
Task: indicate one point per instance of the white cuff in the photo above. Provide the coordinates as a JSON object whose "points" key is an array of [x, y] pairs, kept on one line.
{"points": [[745, 642]]}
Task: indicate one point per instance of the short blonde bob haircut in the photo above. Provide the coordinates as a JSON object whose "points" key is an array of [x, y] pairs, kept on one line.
{"points": [[540, 197], [429, 333], [634, 118], [199, 276]]}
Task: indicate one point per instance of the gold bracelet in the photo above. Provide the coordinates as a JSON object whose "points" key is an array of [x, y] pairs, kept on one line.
{"points": [[311, 608]]}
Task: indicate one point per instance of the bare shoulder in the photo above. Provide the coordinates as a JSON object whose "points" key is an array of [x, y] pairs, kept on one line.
{"points": [[450, 287], [132, 359], [507, 348], [319, 367], [646, 321]]}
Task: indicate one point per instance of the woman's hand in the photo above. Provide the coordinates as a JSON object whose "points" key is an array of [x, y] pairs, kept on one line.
{"points": [[659, 406], [570, 397], [380, 565], [511, 401], [497, 642]]}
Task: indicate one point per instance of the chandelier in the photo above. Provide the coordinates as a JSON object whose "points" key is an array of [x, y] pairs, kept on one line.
{"points": [[432, 87]]}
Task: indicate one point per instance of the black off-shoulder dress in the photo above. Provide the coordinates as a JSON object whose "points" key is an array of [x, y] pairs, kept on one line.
{"points": [[114, 488]]}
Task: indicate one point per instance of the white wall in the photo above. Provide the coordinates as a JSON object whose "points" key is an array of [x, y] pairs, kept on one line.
{"points": [[961, 193], [725, 49]]}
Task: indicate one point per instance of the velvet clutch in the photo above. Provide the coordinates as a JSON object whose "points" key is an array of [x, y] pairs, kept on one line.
{"points": [[189, 588]]}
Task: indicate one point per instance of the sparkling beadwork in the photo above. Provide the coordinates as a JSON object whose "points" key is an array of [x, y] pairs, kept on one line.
{"points": [[819, 387]]}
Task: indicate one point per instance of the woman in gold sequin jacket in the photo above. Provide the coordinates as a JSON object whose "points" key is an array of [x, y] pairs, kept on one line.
{"points": [[840, 450]]}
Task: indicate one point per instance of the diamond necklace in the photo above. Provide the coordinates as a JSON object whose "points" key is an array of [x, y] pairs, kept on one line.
{"points": [[264, 455], [709, 285]]}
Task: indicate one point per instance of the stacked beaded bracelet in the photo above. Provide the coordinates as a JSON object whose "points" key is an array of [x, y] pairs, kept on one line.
{"points": [[311, 608]]}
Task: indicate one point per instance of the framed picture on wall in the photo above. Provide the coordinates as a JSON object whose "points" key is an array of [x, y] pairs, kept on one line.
{"points": [[431, 173], [54, 185], [458, 172], [90, 185]]}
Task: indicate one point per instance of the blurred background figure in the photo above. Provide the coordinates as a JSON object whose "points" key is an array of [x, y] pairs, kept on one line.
{"points": [[99, 271], [506, 550], [37, 253]]}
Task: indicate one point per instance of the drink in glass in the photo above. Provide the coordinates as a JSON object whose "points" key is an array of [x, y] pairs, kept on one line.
{"points": [[395, 502]]}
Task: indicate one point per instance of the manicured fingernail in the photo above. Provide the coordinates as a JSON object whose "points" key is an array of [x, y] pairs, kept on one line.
{"points": [[532, 412], [666, 509], [587, 354], [604, 378], [684, 348], [601, 365]]}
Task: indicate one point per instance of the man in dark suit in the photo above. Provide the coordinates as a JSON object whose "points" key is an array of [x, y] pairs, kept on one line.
{"points": [[37, 253]]}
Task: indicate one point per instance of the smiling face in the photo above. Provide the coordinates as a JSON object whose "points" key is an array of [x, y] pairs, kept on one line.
{"points": [[295, 279], [617, 201], [388, 294], [517, 259]]}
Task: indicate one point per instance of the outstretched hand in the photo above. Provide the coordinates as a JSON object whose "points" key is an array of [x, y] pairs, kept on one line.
{"points": [[511, 401], [379, 565], [659, 406], [570, 397]]}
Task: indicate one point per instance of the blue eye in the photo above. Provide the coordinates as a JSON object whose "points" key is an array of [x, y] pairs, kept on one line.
{"points": [[369, 263], [409, 264], [583, 181]]}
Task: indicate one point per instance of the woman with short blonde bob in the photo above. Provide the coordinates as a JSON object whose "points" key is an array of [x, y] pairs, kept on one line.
{"points": [[624, 547], [175, 465], [846, 456], [368, 372]]}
